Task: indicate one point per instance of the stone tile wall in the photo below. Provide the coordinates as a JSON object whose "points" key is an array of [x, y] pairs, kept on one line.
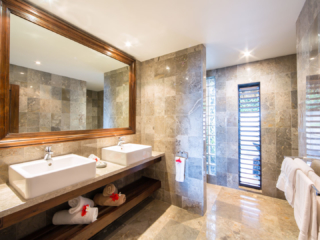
{"points": [[94, 109], [49, 102], [307, 60], [116, 98], [172, 91], [278, 81]]}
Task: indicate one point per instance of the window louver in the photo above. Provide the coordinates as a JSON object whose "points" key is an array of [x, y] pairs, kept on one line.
{"points": [[313, 116], [249, 136]]}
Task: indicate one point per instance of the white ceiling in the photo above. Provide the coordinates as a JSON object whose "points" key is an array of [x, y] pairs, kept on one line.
{"points": [[58, 55], [158, 27]]}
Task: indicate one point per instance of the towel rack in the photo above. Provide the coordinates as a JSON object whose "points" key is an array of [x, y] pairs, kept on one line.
{"points": [[306, 159], [316, 191], [181, 153]]}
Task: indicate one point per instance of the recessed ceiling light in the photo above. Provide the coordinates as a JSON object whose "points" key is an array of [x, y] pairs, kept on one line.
{"points": [[22, 73], [246, 53], [128, 44], [248, 69], [311, 58], [167, 68], [186, 78], [30, 86], [38, 63]]}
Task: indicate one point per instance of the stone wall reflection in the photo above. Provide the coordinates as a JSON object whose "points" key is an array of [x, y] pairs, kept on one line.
{"points": [[49, 102], [116, 98]]}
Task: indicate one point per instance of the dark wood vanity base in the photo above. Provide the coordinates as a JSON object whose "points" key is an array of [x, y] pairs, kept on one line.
{"points": [[135, 192], [28, 212]]}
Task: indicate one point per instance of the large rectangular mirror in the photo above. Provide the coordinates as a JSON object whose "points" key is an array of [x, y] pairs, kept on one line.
{"points": [[59, 83]]}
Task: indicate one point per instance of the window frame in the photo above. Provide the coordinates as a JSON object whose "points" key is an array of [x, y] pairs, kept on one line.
{"points": [[208, 125], [254, 84], [312, 80]]}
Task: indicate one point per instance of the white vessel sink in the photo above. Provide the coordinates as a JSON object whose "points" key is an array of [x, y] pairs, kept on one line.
{"points": [[35, 178], [129, 154]]}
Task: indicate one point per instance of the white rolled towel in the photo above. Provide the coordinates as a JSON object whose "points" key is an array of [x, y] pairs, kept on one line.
{"points": [[77, 204], [65, 218]]}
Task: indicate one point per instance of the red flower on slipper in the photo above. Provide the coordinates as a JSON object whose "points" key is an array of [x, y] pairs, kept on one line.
{"points": [[114, 196], [84, 210], [178, 160]]}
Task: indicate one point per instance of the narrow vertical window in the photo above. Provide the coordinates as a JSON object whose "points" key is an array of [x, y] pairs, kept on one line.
{"points": [[211, 126], [249, 136], [313, 116]]}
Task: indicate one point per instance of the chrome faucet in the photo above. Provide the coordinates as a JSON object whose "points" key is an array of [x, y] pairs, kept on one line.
{"points": [[121, 141], [48, 156]]}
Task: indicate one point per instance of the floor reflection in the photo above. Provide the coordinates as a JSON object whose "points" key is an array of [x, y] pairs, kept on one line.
{"points": [[238, 214], [232, 214]]}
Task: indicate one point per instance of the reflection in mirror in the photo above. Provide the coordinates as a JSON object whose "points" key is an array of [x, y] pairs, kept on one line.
{"points": [[57, 84]]}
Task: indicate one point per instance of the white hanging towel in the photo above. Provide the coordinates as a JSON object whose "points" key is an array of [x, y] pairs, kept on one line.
{"points": [[305, 207], [316, 181], [281, 184], [303, 166], [287, 179], [180, 168], [77, 204], [65, 218]]}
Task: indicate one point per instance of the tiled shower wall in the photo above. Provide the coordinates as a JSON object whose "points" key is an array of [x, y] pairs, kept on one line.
{"points": [[308, 59], [116, 98], [94, 109], [49, 102], [278, 82], [172, 90]]}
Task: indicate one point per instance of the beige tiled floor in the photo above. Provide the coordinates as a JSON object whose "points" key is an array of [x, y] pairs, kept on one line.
{"points": [[232, 214]]}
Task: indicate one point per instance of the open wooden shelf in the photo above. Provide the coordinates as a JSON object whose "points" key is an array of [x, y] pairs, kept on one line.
{"points": [[33, 210], [135, 193]]}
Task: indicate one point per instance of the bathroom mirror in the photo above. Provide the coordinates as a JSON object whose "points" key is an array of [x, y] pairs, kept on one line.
{"points": [[61, 84]]}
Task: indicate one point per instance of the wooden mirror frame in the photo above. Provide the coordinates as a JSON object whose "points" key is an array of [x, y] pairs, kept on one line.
{"points": [[44, 19]]}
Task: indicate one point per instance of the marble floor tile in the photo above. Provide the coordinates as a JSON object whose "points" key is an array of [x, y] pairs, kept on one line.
{"points": [[232, 214], [212, 194], [186, 218], [174, 230]]}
